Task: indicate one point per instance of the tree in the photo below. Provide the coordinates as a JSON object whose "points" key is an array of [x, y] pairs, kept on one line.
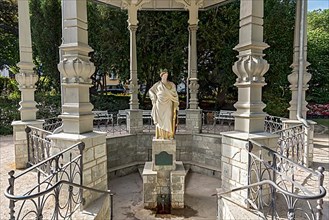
{"points": [[9, 34], [217, 36], [162, 41], [46, 38], [109, 38], [318, 55], [279, 35]]}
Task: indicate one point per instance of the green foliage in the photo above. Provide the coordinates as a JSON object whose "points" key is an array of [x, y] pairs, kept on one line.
{"points": [[215, 53], [46, 34], [318, 56], [322, 121], [279, 34], [8, 33], [48, 104], [9, 100], [109, 37], [111, 103]]}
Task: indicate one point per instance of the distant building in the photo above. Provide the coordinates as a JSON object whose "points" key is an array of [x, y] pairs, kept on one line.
{"points": [[4, 71]]}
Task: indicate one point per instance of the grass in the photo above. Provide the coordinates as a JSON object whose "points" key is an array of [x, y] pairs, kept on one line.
{"points": [[322, 121]]}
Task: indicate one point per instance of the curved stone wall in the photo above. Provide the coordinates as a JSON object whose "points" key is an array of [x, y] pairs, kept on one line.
{"points": [[200, 153]]}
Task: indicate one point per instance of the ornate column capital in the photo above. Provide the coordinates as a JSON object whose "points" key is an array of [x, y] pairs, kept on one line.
{"points": [[132, 28], [193, 7], [133, 6], [26, 80], [250, 68], [193, 27], [76, 70]]}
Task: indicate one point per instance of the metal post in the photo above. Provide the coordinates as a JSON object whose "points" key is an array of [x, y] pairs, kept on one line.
{"points": [[11, 181], [28, 130], [319, 202]]}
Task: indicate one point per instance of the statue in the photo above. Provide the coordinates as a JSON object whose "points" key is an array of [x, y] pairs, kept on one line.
{"points": [[165, 103]]}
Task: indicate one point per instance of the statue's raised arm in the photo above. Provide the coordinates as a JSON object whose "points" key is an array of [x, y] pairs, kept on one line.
{"points": [[165, 103]]}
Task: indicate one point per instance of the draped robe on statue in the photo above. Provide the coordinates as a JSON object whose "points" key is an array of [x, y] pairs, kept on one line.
{"points": [[165, 102]]}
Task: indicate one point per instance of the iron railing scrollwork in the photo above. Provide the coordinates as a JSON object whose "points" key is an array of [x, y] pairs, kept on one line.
{"points": [[280, 188], [291, 144], [38, 145], [57, 192], [51, 124], [273, 124]]}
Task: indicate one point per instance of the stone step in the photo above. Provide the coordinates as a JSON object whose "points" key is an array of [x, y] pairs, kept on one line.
{"points": [[91, 211]]}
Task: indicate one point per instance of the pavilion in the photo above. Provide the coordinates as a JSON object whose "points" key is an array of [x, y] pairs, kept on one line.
{"points": [[76, 69]]}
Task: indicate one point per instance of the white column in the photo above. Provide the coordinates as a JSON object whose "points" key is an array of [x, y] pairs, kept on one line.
{"points": [[192, 62], [26, 79], [76, 69], [26, 76], [193, 7], [250, 68], [293, 77], [135, 115], [193, 113], [132, 27]]}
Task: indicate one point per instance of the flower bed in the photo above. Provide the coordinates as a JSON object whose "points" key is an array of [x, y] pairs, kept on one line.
{"points": [[318, 110]]}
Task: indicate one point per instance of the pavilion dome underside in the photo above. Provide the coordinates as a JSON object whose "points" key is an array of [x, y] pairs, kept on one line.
{"points": [[165, 5]]}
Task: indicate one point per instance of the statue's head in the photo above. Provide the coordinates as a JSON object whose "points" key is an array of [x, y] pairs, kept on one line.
{"points": [[163, 71]]}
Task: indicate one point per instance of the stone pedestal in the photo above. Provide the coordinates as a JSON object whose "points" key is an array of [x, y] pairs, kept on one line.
{"points": [[94, 160], [164, 178], [135, 121], [235, 161], [20, 141], [194, 120]]}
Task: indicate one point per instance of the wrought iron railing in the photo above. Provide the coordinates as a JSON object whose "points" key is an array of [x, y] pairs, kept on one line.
{"points": [[280, 188], [210, 124], [38, 145], [291, 144], [273, 124], [55, 194], [51, 124]]}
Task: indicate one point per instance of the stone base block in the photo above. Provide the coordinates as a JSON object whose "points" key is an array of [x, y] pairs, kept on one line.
{"points": [[20, 141], [135, 121], [194, 120], [177, 186], [164, 154], [159, 184], [94, 160]]}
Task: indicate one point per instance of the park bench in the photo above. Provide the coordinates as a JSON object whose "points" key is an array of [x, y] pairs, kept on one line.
{"points": [[224, 116], [102, 116], [122, 116]]}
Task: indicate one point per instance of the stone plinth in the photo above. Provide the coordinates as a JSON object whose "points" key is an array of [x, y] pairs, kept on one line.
{"points": [[235, 161], [135, 121], [177, 186], [194, 120], [20, 141], [164, 177], [163, 154], [94, 160]]}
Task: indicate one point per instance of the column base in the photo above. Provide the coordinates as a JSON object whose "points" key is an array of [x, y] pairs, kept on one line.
{"points": [[135, 121], [235, 160], [194, 120], [20, 141], [94, 160]]}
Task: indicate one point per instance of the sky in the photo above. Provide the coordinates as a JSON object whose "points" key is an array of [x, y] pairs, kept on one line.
{"points": [[317, 4]]}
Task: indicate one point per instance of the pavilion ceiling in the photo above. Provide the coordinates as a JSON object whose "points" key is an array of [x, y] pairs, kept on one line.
{"points": [[166, 5]]}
